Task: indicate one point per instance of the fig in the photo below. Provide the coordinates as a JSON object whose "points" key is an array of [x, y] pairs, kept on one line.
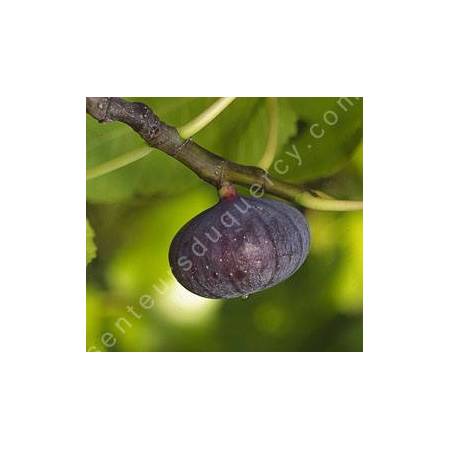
{"points": [[240, 246]]}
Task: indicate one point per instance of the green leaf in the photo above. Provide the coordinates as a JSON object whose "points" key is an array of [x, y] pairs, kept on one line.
{"points": [[245, 140], [330, 130], [91, 249]]}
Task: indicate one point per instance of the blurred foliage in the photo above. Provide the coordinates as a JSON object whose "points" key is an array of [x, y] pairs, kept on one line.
{"points": [[91, 249], [136, 211]]}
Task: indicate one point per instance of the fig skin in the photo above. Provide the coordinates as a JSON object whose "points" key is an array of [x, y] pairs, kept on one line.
{"points": [[240, 246]]}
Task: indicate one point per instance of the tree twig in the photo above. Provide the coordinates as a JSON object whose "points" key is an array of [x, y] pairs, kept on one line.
{"points": [[208, 166]]}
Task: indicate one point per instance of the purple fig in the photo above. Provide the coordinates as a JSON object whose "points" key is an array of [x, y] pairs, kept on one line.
{"points": [[239, 246]]}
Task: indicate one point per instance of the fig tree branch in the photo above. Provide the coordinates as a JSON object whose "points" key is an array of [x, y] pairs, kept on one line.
{"points": [[208, 166]]}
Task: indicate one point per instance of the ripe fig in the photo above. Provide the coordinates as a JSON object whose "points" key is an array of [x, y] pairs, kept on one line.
{"points": [[239, 246]]}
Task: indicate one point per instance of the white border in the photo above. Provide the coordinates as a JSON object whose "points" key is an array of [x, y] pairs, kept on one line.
{"points": [[394, 395]]}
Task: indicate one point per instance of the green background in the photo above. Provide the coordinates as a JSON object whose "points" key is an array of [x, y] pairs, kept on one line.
{"points": [[135, 212]]}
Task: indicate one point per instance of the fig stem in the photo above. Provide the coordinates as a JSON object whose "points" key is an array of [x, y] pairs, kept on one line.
{"points": [[201, 161], [227, 191]]}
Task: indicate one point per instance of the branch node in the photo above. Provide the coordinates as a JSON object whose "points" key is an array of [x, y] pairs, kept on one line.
{"points": [[98, 107], [263, 175], [106, 106], [220, 171], [179, 148]]}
